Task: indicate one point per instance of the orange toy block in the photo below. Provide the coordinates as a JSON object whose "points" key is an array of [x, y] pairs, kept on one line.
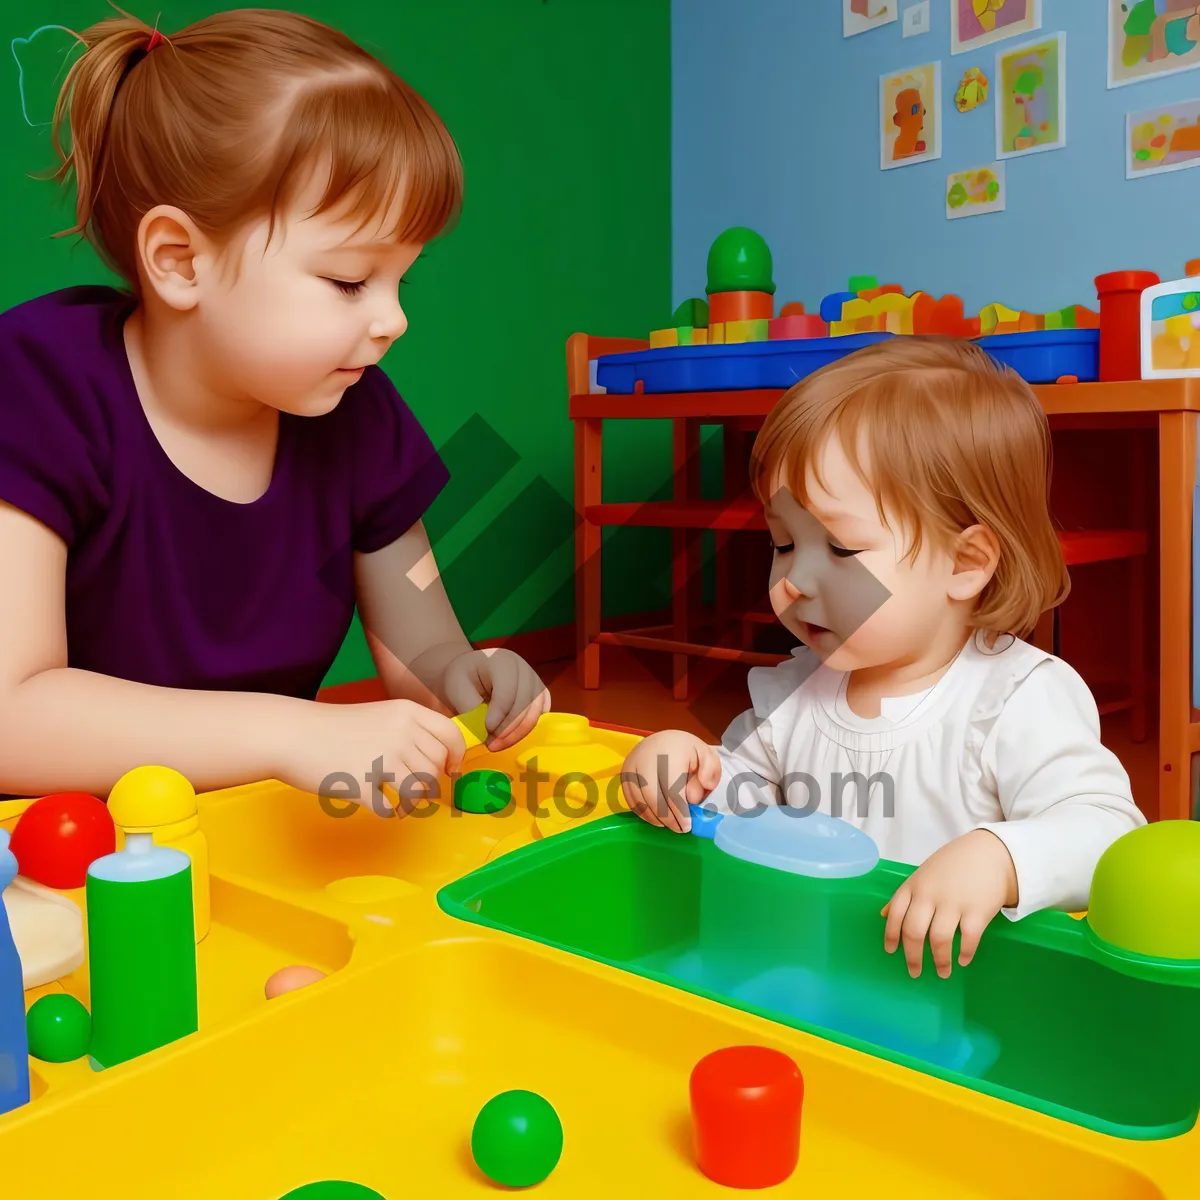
{"points": [[792, 309], [663, 337], [948, 317], [923, 308], [1085, 318], [1030, 323], [796, 325], [716, 334], [888, 289], [724, 307]]}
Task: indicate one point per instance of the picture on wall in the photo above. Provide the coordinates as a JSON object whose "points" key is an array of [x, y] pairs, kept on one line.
{"points": [[1151, 38], [1031, 97], [975, 192], [975, 23], [910, 116], [860, 15], [1158, 140]]}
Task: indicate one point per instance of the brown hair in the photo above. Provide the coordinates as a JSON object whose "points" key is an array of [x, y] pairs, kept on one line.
{"points": [[227, 119], [945, 438]]}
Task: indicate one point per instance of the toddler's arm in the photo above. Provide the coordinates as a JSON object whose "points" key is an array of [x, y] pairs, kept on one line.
{"points": [[1065, 796]]}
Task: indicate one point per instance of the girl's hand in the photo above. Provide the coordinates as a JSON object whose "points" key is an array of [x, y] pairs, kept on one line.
{"points": [[666, 772], [389, 756], [961, 886], [516, 696]]}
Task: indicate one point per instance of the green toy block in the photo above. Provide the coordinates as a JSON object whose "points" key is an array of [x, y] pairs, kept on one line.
{"points": [[693, 313], [861, 283], [740, 261], [685, 335]]}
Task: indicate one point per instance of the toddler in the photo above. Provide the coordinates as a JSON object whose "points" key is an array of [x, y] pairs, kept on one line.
{"points": [[202, 474], [906, 492]]}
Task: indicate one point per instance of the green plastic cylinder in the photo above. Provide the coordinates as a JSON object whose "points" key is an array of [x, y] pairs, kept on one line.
{"points": [[142, 951]]}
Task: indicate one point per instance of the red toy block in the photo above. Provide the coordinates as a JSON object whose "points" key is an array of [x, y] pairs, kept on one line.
{"points": [[794, 309], [972, 327], [948, 318], [797, 325], [724, 307], [1120, 322], [924, 307], [746, 1103], [1085, 318]]}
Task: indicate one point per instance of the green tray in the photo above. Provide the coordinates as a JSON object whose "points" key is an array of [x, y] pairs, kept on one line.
{"points": [[1045, 1016]]}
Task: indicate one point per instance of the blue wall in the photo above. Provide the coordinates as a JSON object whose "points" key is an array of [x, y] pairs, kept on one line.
{"points": [[775, 126]]}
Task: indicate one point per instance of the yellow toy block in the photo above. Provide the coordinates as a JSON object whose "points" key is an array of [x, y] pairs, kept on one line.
{"points": [[746, 331], [994, 316], [716, 334], [663, 337]]}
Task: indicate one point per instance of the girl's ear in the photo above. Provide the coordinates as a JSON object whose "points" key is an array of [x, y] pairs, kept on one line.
{"points": [[976, 552], [169, 244]]}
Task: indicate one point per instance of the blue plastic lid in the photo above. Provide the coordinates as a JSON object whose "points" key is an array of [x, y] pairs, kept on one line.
{"points": [[704, 820], [799, 841]]}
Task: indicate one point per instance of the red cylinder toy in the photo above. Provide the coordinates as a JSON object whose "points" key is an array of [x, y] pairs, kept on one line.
{"points": [[746, 1103], [1120, 295]]}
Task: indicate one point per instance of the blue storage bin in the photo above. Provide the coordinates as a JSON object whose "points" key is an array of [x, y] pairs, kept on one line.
{"points": [[743, 366], [14, 1044], [1043, 355]]}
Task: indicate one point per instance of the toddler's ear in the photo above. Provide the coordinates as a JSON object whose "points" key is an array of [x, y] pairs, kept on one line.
{"points": [[169, 243], [976, 552]]}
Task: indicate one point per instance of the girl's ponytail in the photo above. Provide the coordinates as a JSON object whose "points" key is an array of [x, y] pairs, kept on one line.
{"points": [[112, 49]]}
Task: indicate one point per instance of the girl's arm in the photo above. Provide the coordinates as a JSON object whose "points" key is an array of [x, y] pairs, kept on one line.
{"points": [[1065, 796], [421, 652], [62, 728]]}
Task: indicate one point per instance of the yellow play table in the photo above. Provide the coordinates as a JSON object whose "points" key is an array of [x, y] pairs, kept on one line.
{"points": [[376, 1073]]}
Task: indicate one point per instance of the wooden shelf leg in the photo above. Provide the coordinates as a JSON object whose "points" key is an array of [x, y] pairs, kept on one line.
{"points": [[588, 490]]}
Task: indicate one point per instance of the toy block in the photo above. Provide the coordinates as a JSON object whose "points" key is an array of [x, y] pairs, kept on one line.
{"points": [[716, 334], [746, 331], [861, 283], [887, 289], [923, 309], [725, 307], [1057, 320], [994, 316], [949, 319], [700, 337], [1030, 323], [693, 312], [893, 322], [972, 327], [831, 306], [663, 337], [854, 310], [685, 335], [794, 309], [1085, 318], [797, 325]]}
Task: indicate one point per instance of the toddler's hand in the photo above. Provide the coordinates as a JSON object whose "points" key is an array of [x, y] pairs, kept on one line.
{"points": [[515, 694], [961, 886], [348, 752], [666, 772]]}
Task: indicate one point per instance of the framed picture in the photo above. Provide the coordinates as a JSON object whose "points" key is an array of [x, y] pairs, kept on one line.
{"points": [[1031, 97], [1151, 38], [975, 192], [910, 116], [860, 15], [975, 23], [1163, 139]]}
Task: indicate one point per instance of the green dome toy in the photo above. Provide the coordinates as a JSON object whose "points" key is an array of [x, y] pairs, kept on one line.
{"points": [[1145, 897], [740, 261]]}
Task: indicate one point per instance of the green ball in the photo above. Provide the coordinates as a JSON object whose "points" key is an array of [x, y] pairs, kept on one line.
{"points": [[333, 1189], [517, 1139], [740, 261], [483, 792], [59, 1028], [1146, 892]]}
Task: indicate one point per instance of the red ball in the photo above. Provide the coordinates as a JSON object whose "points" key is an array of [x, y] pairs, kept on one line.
{"points": [[58, 837], [746, 1103]]}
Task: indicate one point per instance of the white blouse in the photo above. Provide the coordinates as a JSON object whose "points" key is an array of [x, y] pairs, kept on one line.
{"points": [[1007, 740]]}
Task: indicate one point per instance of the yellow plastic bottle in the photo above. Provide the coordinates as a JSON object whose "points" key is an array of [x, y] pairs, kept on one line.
{"points": [[160, 801]]}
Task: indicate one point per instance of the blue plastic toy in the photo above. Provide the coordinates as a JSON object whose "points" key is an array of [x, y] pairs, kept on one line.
{"points": [[704, 821], [14, 1042]]}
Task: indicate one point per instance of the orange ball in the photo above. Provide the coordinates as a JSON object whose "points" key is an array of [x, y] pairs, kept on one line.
{"points": [[290, 979]]}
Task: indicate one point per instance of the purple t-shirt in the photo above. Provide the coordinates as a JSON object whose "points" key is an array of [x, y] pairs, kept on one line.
{"points": [[167, 583]]}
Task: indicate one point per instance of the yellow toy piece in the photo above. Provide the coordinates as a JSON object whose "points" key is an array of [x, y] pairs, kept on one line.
{"points": [[473, 726], [997, 318], [423, 1018], [746, 331], [660, 338]]}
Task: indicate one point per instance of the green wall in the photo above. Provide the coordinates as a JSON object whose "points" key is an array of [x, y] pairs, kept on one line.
{"points": [[561, 109]]}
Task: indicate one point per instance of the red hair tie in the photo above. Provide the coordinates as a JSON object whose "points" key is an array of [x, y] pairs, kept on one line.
{"points": [[156, 39]]}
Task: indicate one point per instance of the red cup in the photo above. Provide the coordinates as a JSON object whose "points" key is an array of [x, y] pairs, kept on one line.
{"points": [[746, 1103], [1120, 295]]}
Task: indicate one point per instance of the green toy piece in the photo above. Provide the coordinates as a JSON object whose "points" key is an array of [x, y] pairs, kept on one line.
{"points": [[517, 1139], [483, 792], [1146, 892], [333, 1189], [59, 1028], [740, 261], [693, 313], [862, 283]]}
